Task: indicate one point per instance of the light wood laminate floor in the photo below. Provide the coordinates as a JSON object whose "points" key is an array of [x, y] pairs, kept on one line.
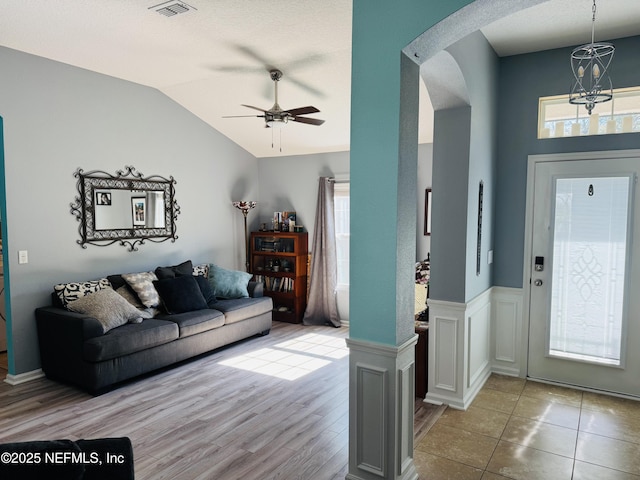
{"points": [[270, 407]]}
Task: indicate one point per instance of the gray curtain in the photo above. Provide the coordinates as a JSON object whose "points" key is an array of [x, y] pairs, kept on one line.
{"points": [[322, 307]]}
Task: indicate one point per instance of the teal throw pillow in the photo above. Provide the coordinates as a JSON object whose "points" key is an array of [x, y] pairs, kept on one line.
{"points": [[228, 283]]}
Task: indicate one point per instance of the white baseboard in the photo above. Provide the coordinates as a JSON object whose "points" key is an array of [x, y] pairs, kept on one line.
{"points": [[24, 377]]}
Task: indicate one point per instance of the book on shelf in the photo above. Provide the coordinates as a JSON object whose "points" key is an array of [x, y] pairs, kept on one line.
{"points": [[276, 284]]}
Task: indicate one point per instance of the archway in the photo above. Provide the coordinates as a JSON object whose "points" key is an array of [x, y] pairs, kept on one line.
{"points": [[383, 160]]}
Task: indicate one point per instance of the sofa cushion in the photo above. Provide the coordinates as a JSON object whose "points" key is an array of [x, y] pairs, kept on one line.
{"points": [[197, 321], [228, 283], [68, 292], [129, 338], [185, 268], [238, 309], [142, 284], [109, 308], [180, 294]]}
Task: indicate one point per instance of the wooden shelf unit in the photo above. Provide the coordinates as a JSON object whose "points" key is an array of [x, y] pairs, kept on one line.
{"points": [[279, 260]]}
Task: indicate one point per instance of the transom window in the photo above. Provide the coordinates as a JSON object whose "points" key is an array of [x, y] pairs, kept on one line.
{"points": [[558, 118]]}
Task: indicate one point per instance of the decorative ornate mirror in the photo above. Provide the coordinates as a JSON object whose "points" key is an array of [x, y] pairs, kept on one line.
{"points": [[126, 207]]}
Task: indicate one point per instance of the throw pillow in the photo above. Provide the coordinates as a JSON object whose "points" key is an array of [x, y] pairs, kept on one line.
{"points": [[180, 294], [142, 284], [201, 270], [185, 268], [68, 292], [109, 308], [130, 296], [228, 283], [207, 291]]}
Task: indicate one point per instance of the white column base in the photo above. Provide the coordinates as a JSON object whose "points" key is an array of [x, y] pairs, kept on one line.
{"points": [[381, 404]]}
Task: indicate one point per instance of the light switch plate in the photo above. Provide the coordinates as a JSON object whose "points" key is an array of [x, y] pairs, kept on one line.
{"points": [[23, 256]]}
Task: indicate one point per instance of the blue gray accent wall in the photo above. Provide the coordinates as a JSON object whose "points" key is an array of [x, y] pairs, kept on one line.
{"points": [[523, 79]]}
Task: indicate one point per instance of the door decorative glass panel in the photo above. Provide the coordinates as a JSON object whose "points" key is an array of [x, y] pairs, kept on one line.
{"points": [[590, 238]]}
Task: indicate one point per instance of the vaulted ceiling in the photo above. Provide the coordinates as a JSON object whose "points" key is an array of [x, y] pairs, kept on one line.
{"points": [[213, 56]]}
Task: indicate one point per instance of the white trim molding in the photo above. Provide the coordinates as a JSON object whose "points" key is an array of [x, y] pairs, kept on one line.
{"points": [[459, 350], [381, 405], [469, 341], [24, 377]]}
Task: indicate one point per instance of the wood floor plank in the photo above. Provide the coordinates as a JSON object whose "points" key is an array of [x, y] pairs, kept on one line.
{"points": [[214, 417]]}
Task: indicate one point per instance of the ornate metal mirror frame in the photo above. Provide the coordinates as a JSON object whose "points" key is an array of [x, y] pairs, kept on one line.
{"points": [[126, 207]]}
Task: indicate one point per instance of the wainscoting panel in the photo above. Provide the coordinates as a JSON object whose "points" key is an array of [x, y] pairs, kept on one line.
{"points": [[372, 418], [446, 357], [507, 343], [459, 350], [406, 377], [479, 323]]}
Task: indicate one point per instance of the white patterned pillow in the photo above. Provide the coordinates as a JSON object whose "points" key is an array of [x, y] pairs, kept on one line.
{"points": [[68, 292], [142, 284], [109, 308], [202, 270]]}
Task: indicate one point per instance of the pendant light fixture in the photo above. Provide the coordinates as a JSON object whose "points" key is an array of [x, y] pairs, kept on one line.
{"points": [[590, 65]]}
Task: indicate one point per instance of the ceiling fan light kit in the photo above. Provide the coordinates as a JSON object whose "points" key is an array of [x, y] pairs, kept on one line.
{"points": [[590, 64]]}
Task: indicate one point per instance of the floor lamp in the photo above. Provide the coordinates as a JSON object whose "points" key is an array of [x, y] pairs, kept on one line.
{"points": [[244, 207]]}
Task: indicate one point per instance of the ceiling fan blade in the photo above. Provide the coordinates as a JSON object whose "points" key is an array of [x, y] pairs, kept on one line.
{"points": [[303, 110], [309, 121], [243, 116], [255, 108]]}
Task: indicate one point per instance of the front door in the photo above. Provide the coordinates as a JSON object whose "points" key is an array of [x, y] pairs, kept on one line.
{"points": [[584, 319]]}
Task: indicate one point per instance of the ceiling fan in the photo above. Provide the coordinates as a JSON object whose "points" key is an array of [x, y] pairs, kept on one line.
{"points": [[276, 116]]}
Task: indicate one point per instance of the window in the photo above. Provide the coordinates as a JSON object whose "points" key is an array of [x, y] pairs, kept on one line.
{"points": [[341, 210], [558, 118]]}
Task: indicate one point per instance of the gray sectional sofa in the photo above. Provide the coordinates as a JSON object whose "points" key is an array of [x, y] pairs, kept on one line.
{"points": [[79, 346]]}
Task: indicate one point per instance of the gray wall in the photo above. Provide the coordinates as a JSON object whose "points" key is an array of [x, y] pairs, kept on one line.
{"points": [[465, 152], [523, 79], [425, 168], [291, 183], [58, 118]]}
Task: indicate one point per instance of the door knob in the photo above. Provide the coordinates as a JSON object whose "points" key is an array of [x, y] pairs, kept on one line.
{"points": [[537, 282]]}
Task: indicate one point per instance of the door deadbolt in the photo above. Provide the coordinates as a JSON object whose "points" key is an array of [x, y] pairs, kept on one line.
{"points": [[537, 282]]}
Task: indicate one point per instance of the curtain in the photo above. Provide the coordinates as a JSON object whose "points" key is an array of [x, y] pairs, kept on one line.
{"points": [[322, 307]]}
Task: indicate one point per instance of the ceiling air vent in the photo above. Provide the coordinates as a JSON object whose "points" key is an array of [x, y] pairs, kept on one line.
{"points": [[169, 9]]}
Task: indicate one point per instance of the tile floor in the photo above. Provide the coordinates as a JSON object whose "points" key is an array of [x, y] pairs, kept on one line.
{"points": [[517, 429]]}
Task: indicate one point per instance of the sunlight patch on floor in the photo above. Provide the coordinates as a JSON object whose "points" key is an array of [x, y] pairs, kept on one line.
{"points": [[292, 359]]}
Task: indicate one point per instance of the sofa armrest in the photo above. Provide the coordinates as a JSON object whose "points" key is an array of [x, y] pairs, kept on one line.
{"points": [[256, 289], [70, 323], [61, 337]]}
